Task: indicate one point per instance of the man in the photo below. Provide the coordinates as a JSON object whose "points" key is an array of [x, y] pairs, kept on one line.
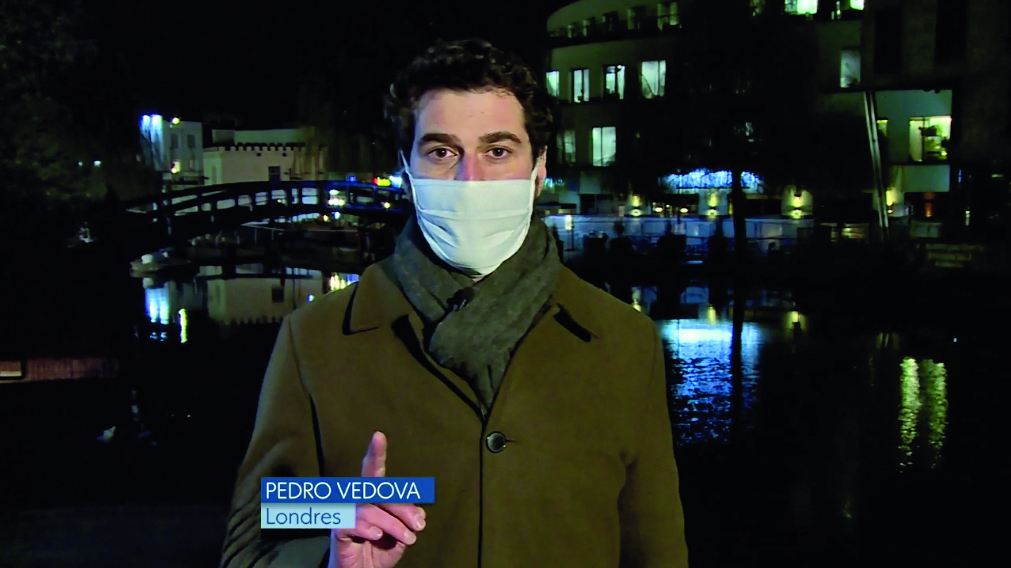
{"points": [[536, 401]]}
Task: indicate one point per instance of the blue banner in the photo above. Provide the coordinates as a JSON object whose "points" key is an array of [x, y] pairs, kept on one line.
{"points": [[347, 490]]}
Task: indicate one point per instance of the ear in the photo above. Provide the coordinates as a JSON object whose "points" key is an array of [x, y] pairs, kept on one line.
{"points": [[542, 171]]}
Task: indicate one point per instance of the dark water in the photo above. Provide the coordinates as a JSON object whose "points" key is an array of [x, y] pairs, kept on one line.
{"points": [[815, 443]]}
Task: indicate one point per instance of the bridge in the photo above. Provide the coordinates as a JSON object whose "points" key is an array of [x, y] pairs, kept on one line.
{"points": [[154, 222]]}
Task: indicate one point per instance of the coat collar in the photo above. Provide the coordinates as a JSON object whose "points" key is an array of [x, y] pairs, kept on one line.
{"points": [[377, 302]]}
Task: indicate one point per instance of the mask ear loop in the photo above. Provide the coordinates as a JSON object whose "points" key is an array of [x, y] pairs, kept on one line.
{"points": [[407, 170]]}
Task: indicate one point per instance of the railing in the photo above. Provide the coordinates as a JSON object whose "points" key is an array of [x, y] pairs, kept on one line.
{"points": [[612, 30]]}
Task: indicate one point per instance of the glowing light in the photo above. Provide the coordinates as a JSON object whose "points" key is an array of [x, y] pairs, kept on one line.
{"points": [[175, 120], [176, 167], [635, 201], [336, 215], [795, 317], [636, 212], [658, 209], [711, 316], [798, 202], [396, 181], [714, 199], [98, 163], [326, 218], [386, 205], [311, 297], [569, 224], [796, 214], [333, 192], [352, 178], [857, 4], [382, 182], [183, 325], [684, 210], [712, 213], [702, 178], [155, 121]]}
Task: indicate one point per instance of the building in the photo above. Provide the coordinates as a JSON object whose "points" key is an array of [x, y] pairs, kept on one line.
{"points": [[261, 155], [173, 148], [940, 70], [609, 56]]}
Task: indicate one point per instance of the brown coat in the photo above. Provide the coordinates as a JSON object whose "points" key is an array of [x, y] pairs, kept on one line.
{"points": [[587, 478]]}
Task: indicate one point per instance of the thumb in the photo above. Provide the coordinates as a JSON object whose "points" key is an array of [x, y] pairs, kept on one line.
{"points": [[374, 464]]}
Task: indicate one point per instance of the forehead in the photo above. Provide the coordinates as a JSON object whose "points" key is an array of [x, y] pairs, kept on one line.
{"points": [[468, 114]]}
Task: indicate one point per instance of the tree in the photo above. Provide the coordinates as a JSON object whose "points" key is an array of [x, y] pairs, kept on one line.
{"points": [[741, 93]]}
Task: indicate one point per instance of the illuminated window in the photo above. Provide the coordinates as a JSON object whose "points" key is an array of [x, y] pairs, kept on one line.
{"points": [[614, 81], [580, 85], [801, 6], [856, 4], [570, 146], [883, 127], [928, 138], [589, 26], [571, 30], [636, 15], [653, 76], [666, 15], [551, 82], [604, 142], [849, 68], [566, 142]]}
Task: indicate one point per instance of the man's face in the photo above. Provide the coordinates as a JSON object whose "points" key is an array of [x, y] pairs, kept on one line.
{"points": [[472, 136]]}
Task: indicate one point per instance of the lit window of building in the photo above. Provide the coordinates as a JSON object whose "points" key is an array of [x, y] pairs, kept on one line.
{"points": [[636, 15], [928, 138], [666, 15], [653, 76], [604, 143], [849, 68], [580, 85], [614, 81], [566, 142], [883, 127], [551, 83], [801, 6]]}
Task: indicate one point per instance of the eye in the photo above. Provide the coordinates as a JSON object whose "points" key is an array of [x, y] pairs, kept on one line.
{"points": [[499, 152], [440, 153]]}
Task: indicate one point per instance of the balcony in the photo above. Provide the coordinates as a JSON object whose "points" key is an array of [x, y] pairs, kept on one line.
{"points": [[611, 31]]}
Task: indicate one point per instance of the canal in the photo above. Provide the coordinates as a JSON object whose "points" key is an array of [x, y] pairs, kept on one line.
{"points": [[801, 438]]}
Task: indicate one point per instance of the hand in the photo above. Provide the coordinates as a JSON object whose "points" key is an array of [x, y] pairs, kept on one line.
{"points": [[382, 532]]}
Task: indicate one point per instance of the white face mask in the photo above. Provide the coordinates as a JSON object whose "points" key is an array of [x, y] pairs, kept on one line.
{"points": [[474, 226]]}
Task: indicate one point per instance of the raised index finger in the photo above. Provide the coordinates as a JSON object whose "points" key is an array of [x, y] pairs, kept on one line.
{"points": [[374, 464]]}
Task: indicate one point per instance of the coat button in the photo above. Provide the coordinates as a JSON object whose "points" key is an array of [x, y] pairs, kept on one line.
{"points": [[496, 442]]}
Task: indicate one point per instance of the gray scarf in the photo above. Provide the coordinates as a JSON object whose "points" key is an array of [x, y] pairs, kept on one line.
{"points": [[476, 339]]}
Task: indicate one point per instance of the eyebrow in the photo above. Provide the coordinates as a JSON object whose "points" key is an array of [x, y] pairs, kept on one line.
{"points": [[499, 136], [489, 138]]}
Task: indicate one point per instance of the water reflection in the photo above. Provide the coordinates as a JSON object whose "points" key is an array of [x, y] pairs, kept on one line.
{"points": [[924, 410], [225, 300], [700, 352]]}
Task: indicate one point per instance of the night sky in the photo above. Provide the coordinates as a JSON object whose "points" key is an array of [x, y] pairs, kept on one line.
{"points": [[188, 57]]}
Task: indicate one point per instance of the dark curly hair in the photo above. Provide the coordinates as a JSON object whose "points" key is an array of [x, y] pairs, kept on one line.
{"points": [[468, 65]]}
